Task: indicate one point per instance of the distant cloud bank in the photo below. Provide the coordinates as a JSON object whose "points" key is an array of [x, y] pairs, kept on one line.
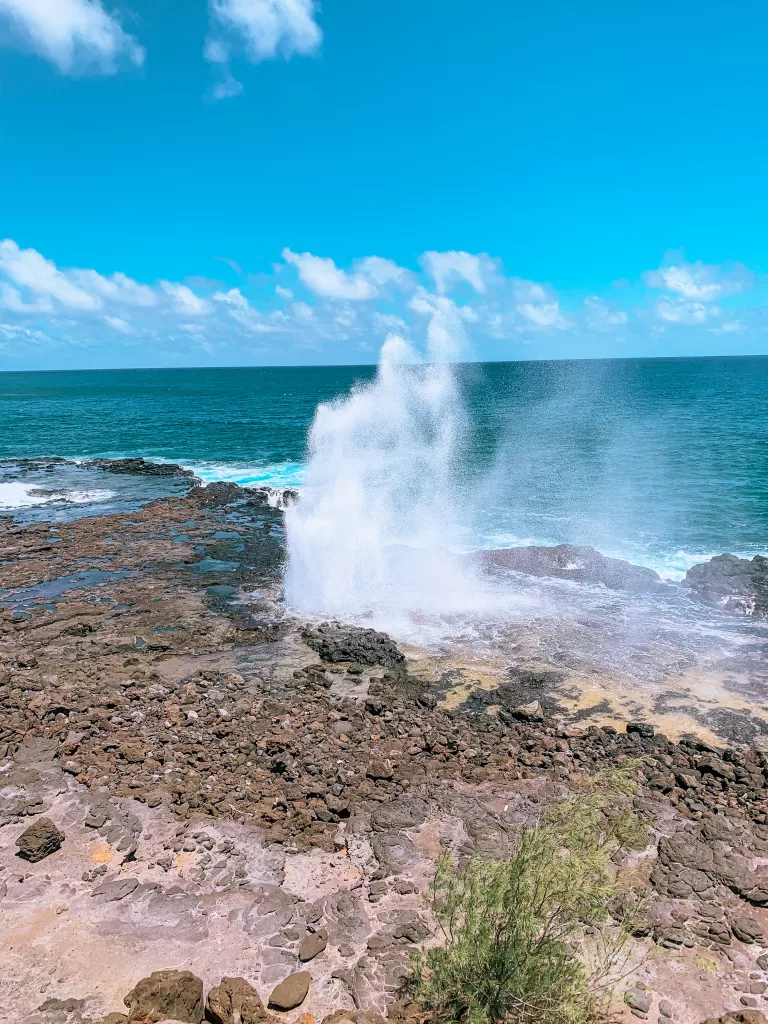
{"points": [[310, 309]]}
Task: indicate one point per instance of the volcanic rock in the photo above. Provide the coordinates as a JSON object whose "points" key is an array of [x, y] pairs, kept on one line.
{"points": [[738, 584], [140, 467], [39, 840], [234, 1001], [166, 995], [291, 992], [334, 643], [568, 562]]}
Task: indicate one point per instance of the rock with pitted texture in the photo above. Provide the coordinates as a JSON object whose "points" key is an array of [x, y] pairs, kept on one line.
{"points": [[166, 995], [234, 1001], [39, 840], [291, 992]]}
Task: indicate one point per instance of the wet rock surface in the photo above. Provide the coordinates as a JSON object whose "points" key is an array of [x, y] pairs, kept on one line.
{"points": [[737, 584], [569, 562]]}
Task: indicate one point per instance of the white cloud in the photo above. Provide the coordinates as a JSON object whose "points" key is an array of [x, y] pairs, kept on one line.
{"points": [[687, 313], [268, 27], [445, 267], [75, 35], [117, 288], [538, 308], [284, 293], [118, 324], [322, 277], [30, 270], [185, 300], [603, 317], [382, 271], [265, 28], [700, 282]]}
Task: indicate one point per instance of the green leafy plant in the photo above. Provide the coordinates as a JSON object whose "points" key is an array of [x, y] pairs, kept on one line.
{"points": [[527, 940]]}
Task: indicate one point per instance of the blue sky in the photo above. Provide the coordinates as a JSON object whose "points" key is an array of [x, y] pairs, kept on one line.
{"points": [[276, 181]]}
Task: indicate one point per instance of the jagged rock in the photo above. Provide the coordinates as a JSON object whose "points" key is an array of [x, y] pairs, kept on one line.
{"points": [[312, 945], [568, 562], [166, 995], [738, 584], [234, 1001], [115, 1018], [291, 992], [334, 642], [39, 840]]}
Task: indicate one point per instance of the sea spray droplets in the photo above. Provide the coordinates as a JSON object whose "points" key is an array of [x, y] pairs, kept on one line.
{"points": [[378, 513]]}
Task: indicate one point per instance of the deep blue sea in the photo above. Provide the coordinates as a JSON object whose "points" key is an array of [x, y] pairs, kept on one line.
{"points": [[663, 461]]}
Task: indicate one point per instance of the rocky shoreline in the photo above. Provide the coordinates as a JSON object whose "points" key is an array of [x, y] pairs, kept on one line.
{"points": [[230, 783]]}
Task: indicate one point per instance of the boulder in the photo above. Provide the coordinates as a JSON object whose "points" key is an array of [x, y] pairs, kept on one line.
{"points": [[39, 840], [737, 584], [291, 992], [234, 1001], [312, 945], [569, 562], [166, 995]]}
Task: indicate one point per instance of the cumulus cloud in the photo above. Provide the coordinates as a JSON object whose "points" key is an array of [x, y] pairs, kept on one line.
{"points": [[700, 282], [264, 29], [185, 300], [687, 313], [312, 302], [601, 316], [75, 35], [447, 267], [322, 277], [539, 309], [41, 277]]}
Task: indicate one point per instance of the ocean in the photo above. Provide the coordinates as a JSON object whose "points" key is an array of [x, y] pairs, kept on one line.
{"points": [[661, 461]]}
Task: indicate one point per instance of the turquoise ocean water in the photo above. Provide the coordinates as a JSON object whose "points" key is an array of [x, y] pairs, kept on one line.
{"points": [[664, 462]]}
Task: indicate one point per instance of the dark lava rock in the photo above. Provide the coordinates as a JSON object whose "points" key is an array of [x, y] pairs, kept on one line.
{"points": [[568, 562], [140, 467], [39, 840], [312, 945], [737, 584], [291, 992], [234, 1001], [166, 995], [642, 729], [335, 643]]}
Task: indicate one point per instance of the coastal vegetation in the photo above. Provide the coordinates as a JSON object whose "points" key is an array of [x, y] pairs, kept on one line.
{"points": [[530, 938]]}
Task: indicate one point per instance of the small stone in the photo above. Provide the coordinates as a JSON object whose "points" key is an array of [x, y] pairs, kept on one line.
{"points": [[665, 1008], [39, 840], [291, 992], [312, 945], [639, 1002]]}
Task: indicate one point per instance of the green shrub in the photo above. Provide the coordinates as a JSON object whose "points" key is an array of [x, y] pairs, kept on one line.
{"points": [[526, 940]]}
